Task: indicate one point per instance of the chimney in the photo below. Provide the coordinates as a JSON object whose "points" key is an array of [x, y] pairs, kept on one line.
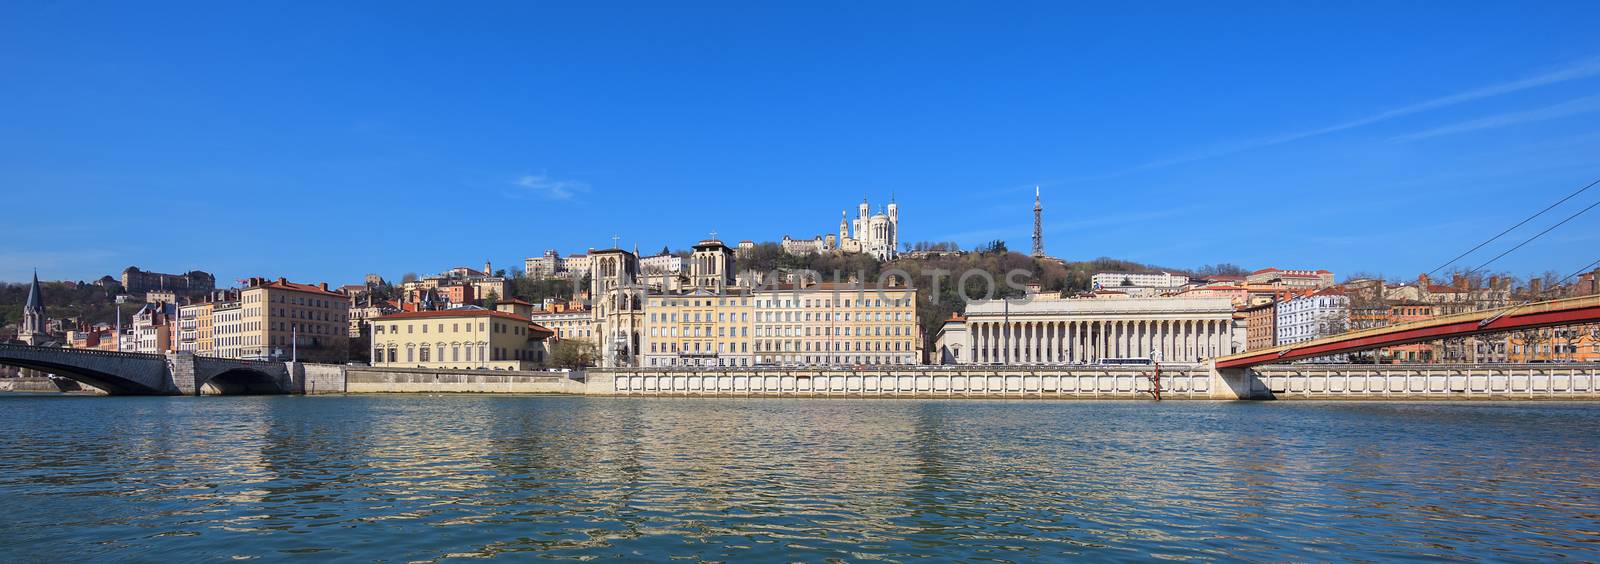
{"points": [[324, 286], [282, 280], [1460, 282], [1536, 286], [1422, 280]]}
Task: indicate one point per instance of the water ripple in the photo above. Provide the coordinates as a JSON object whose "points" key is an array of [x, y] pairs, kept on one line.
{"points": [[417, 478]]}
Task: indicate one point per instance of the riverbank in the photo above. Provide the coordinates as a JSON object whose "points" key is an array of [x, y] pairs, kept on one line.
{"points": [[1574, 382]]}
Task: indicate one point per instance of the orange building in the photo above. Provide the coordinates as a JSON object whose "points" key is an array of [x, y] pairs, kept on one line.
{"points": [[1556, 344], [1261, 325], [1406, 312]]}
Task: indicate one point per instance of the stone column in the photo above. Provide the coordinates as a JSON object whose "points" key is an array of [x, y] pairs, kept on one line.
{"points": [[979, 341]]}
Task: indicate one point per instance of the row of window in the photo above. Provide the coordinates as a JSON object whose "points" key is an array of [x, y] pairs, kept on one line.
{"points": [[792, 359], [454, 328], [452, 353]]}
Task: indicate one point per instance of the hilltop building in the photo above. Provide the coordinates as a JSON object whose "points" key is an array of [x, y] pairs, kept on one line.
{"points": [[139, 283], [876, 234]]}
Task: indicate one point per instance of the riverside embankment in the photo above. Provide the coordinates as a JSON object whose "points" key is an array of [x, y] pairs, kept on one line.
{"points": [[1303, 381]]}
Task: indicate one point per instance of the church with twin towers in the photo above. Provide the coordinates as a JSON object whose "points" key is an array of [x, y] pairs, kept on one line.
{"points": [[876, 234]]}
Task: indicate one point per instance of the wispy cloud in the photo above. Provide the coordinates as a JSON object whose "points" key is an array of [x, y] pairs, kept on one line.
{"points": [[543, 186], [1571, 107], [1579, 70]]}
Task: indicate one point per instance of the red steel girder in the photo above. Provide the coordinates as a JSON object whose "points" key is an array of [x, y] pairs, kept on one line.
{"points": [[1405, 336]]}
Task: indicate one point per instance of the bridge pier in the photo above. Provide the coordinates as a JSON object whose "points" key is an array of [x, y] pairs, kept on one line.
{"points": [[1235, 384], [181, 367]]}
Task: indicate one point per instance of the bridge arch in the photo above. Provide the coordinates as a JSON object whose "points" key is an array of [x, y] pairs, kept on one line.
{"points": [[242, 381], [216, 376], [114, 373]]}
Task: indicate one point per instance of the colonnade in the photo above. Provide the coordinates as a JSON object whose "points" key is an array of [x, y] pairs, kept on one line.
{"points": [[1072, 342]]}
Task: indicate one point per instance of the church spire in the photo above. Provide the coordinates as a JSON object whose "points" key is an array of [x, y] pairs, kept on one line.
{"points": [[32, 330], [35, 301]]}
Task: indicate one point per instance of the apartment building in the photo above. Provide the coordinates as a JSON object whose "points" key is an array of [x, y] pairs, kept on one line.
{"points": [[283, 320], [836, 323]]}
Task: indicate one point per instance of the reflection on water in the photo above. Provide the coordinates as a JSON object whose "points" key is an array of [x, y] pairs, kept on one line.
{"points": [[407, 478]]}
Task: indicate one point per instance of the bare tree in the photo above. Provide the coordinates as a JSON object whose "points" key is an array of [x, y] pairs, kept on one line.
{"points": [[1528, 340]]}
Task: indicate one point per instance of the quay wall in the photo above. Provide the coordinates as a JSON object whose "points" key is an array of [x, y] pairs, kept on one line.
{"points": [[1576, 381], [37, 384], [1579, 381], [1078, 382], [322, 379], [358, 380]]}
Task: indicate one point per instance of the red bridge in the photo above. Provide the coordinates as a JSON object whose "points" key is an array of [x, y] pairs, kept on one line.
{"points": [[1570, 311]]}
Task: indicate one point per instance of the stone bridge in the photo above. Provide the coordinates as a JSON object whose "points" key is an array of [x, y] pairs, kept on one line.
{"points": [[121, 373]]}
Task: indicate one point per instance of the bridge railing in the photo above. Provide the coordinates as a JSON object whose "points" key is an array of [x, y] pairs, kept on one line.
{"points": [[91, 352]]}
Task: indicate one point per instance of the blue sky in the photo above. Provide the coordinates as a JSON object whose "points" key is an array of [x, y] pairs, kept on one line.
{"points": [[325, 140]]}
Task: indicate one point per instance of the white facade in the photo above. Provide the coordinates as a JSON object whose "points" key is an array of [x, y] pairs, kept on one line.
{"points": [[1079, 331], [1314, 316], [227, 327], [1114, 280], [188, 337], [1290, 278], [661, 264], [875, 234]]}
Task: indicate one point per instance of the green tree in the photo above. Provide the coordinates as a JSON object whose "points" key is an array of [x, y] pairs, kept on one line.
{"points": [[572, 353]]}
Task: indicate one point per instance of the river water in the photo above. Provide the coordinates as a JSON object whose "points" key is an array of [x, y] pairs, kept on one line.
{"points": [[423, 478]]}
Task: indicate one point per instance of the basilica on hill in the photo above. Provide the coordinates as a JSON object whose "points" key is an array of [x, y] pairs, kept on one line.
{"points": [[876, 234]]}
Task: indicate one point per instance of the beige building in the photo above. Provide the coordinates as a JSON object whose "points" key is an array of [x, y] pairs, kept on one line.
{"points": [[282, 320], [459, 339], [698, 329], [574, 324], [837, 323], [716, 322]]}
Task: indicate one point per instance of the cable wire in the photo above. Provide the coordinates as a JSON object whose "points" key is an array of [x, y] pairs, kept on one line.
{"points": [[1514, 227], [1530, 239]]}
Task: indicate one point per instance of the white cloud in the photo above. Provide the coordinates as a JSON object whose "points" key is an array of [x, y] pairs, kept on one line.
{"points": [[546, 187], [1564, 109]]}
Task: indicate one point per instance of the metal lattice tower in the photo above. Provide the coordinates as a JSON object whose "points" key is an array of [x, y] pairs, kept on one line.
{"points": [[1038, 229]]}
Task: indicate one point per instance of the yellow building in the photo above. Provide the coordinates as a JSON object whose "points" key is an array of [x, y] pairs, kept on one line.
{"points": [[458, 338], [700, 329], [280, 320]]}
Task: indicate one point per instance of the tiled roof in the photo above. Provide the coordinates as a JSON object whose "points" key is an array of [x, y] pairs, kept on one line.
{"points": [[451, 313], [282, 284]]}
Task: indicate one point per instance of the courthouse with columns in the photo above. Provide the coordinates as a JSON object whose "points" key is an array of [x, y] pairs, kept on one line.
{"points": [[1049, 330]]}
